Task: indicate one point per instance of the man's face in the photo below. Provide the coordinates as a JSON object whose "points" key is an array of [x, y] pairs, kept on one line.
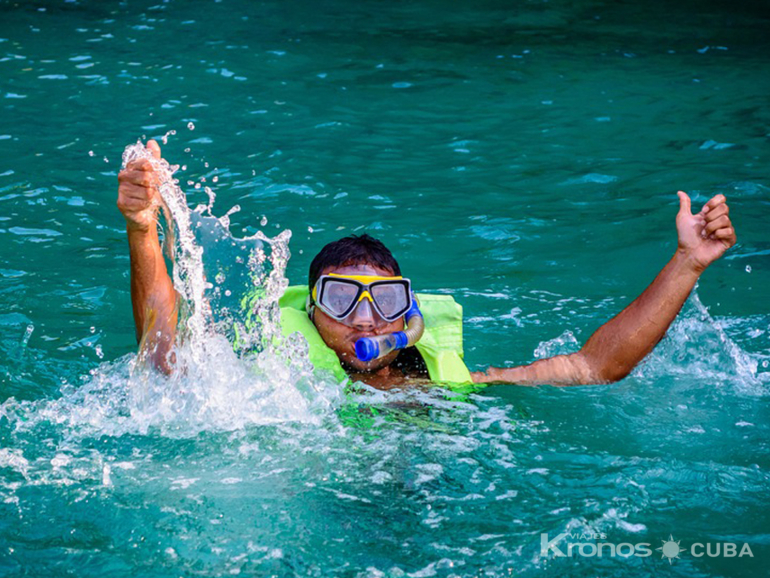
{"points": [[364, 322]]}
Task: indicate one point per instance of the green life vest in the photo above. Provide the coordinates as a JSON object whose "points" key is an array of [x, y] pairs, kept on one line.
{"points": [[441, 345]]}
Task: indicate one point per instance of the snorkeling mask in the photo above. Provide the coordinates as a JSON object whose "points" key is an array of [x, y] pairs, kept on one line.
{"points": [[391, 297]]}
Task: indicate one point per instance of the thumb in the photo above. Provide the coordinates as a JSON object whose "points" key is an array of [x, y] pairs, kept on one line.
{"points": [[684, 203], [154, 148]]}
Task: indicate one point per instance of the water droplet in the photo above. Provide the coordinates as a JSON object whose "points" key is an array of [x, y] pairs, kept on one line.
{"points": [[765, 364], [206, 164], [263, 221], [191, 126], [27, 335], [184, 167], [310, 229], [228, 292], [197, 185], [215, 179], [187, 150], [220, 278], [91, 153], [748, 268], [106, 160], [92, 329]]}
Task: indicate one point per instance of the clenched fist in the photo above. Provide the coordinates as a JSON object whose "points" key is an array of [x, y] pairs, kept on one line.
{"points": [[138, 195]]}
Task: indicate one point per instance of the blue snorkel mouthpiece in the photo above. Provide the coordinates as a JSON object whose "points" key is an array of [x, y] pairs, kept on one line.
{"points": [[369, 348]]}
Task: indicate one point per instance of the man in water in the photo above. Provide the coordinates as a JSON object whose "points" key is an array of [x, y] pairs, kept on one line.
{"points": [[356, 291]]}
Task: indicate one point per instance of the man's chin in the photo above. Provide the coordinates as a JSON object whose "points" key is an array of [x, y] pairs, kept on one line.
{"points": [[352, 362]]}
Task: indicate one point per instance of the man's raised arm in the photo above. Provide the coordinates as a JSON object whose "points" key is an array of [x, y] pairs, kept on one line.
{"points": [[153, 297], [618, 345]]}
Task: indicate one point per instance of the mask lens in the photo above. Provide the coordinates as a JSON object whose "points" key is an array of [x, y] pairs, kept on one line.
{"points": [[338, 296], [392, 299]]}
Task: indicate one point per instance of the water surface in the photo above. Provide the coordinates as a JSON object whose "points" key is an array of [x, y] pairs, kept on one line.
{"points": [[520, 156]]}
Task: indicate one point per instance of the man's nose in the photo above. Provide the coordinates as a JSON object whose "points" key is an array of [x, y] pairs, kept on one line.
{"points": [[363, 316]]}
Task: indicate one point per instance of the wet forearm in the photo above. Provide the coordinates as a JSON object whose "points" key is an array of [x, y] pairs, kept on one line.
{"points": [[152, 293], [621, 343]]}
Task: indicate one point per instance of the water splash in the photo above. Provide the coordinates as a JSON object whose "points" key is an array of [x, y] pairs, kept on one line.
{"points": [[233, 366], [697, 344], [231, 296]]}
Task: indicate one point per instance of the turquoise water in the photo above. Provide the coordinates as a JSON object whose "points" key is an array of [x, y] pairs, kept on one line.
{"points": [[522, 157]]}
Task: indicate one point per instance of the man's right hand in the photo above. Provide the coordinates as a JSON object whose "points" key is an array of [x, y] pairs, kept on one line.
{"points": [[138, 195]]}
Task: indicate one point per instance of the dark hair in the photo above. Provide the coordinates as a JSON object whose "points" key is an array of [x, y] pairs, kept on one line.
{"points": [[353, 250]]}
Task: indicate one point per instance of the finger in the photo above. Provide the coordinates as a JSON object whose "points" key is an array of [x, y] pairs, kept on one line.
{"points": [[713, 202], [139, 165], [137, 192], [726, 233], [684, 203], [720, 223], [128, 204], [154, 148], [141, 178], [719, 211]]}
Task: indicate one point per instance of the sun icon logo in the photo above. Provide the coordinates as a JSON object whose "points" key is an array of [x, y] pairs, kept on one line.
{"points": [[670, 549]]}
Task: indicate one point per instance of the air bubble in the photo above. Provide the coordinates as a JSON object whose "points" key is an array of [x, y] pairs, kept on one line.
{"points": [[191, 126], [263, 221], [91, 153], [197, 186], [748, 268], [220, 278], [215, 179], [310, 229]]}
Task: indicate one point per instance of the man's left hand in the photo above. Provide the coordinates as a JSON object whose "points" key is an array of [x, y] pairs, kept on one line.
{"points": [[705, 236]]}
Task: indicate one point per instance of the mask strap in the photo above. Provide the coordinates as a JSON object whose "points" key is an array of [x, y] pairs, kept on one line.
{"points": [[309, 307]]}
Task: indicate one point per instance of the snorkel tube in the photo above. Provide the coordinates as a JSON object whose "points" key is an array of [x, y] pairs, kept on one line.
{"points": [[369, 348]]}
